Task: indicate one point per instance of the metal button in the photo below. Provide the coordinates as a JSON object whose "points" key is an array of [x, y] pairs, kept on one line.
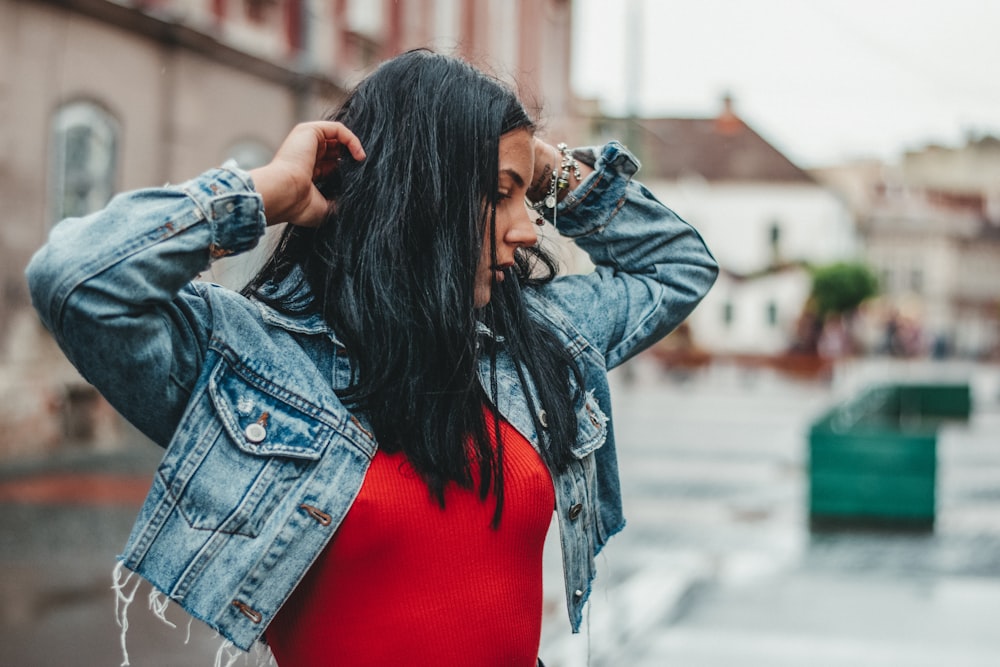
{"points": [[578, 593], [575, 510], [543, 419], [254, 432]]}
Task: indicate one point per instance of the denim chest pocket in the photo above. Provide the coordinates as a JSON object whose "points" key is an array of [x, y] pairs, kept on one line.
{"points": [[255, 443], [592, 426]]}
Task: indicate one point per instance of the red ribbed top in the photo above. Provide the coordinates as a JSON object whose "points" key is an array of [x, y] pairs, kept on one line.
{"points": [[404, 582]]}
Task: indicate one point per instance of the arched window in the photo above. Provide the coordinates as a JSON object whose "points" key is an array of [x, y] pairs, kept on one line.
{"points": [[84, 159]]}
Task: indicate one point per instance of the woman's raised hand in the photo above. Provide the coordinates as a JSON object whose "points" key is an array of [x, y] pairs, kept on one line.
{"points": [[549, 159], [308, 154]]}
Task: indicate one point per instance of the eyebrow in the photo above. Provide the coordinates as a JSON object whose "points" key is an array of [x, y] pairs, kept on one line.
{"points": [[516, 177]]}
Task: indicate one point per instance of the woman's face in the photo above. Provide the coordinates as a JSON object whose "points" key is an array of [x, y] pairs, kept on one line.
{"points": [[515, 225]]}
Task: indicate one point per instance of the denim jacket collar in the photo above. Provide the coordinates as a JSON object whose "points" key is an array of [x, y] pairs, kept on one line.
{"points": [[300, 314]]}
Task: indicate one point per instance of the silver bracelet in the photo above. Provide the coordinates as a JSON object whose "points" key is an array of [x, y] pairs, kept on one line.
{"points": [[560, 179]]}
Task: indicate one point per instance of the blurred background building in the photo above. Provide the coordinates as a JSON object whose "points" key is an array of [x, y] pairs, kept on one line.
{"points": [[101, 96], [765, 219], [931, 231], [98, 97]]}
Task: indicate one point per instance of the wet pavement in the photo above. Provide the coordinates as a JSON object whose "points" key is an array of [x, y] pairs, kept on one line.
{"points": [[62, 521], [717, 565]]}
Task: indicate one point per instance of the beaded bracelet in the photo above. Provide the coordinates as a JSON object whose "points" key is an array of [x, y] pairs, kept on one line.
{"points": [[560, 180]]}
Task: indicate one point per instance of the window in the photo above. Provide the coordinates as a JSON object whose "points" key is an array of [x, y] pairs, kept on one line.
{"points": [[84, 159], [774, 234], [727, 313], [772, 314], [774, 241], [365, 18], [446, 24], [257, 10]]}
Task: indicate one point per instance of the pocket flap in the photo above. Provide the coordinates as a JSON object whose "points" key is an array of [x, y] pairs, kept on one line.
{"points": [[264, 419]]}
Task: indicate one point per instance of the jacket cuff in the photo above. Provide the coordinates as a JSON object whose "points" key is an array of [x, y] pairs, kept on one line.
{"points": [[231, 207], [592, 204]]}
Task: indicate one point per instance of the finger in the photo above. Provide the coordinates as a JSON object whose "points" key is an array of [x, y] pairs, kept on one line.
{"points": [[354, 146], [338, 133]]}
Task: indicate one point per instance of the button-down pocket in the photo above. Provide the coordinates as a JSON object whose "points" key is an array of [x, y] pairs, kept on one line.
{"points": [[256, 440], [592, 426]]}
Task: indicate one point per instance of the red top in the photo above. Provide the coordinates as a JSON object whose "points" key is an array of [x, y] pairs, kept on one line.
{"points": [[404, 582]]}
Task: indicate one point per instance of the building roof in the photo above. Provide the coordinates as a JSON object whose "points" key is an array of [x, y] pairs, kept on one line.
{"points": [[724, 148]]}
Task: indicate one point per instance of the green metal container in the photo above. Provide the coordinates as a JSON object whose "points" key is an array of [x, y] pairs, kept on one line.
{"points": [[873, 459]]}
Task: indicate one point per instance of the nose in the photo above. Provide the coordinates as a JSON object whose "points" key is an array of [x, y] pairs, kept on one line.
{"points": [[523, 231]]}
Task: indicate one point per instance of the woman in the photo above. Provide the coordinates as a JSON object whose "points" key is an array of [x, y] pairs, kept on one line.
{"points": [[364, 447]]}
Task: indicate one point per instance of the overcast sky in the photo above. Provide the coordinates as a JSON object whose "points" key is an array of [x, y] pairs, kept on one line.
{"points": [[822, 80]]}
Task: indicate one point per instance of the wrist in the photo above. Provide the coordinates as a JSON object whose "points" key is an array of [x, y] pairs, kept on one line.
{"points": [[556, 174], [546, 160], [274, 188]]}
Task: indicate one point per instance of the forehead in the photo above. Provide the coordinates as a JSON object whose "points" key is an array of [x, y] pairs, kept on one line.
{"points": [[517, 154]]}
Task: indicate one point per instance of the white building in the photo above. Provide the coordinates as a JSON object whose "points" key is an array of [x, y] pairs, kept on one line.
{"points": [[764, 219]]}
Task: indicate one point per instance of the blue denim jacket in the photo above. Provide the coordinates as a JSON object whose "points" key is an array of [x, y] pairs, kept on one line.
{"points": [[262, 459]]}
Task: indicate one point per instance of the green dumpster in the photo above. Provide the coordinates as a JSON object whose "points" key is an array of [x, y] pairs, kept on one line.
{"points": [[873, 458]]}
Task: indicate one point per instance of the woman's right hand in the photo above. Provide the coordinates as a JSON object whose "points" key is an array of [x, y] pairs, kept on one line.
{"points": [[309, 153]]}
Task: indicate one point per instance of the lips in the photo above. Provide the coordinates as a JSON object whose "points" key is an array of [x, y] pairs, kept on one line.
{"points": [[500, 271]]}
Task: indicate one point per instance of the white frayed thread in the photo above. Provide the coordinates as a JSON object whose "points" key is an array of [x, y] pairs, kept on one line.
{"points": [[125, 595], [260, 652], [263, 656], [158, 603], [231, 653], [122, 601], [125, 591]]}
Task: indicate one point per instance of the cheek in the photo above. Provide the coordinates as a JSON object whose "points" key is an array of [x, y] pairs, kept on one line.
{"points": [[485, 252]]}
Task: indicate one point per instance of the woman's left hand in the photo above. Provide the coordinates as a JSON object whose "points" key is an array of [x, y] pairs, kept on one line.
{"points": [[549, 159], [308, 154], [546, 159]]}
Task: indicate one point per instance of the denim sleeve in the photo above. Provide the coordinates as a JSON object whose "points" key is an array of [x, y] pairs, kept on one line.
{"points": [[115, 289], [651, 267]]}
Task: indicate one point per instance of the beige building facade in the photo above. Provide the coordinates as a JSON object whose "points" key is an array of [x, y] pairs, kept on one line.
{"points": [[99, 97]]}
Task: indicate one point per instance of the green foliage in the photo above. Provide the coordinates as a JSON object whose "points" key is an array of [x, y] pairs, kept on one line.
{"points": [[842, 287]]}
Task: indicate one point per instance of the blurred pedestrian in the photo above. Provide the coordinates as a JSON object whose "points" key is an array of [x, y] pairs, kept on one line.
{"points": [[364, 447]]}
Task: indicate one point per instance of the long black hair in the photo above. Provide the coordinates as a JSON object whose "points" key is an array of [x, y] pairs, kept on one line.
{"points": [[392, 270]]}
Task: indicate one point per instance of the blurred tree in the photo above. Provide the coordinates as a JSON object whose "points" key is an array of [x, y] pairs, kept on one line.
{"points": [[841, 287]]}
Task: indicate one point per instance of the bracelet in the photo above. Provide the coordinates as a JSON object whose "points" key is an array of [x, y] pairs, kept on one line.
{"points": [[560, 179]]}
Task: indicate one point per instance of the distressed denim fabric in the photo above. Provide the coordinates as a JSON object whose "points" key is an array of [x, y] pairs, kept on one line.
{"points": [[262, 459]]}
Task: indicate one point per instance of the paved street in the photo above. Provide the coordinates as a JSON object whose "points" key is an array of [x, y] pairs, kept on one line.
{"points": [[717, 565]]}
